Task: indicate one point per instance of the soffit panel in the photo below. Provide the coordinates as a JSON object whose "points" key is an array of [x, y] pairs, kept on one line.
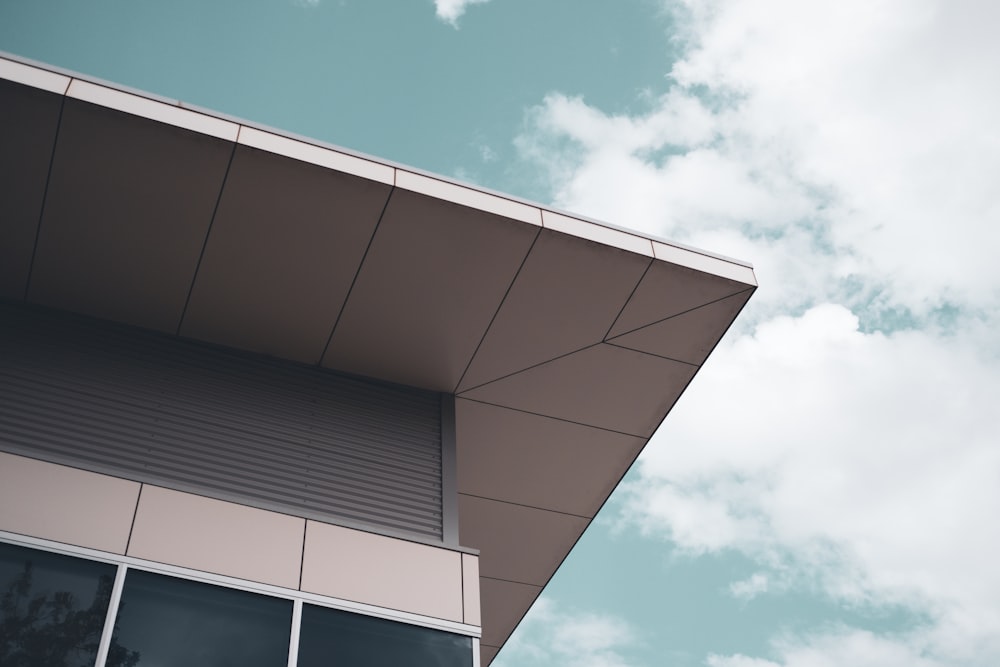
{"points": [[286, 242], [690, 336], [432, 279], [517, 543], [668, 289], [565, 297], [542, 462], [604, 386], [29, 118], [486, 654], [504, 604], [128, 206]]}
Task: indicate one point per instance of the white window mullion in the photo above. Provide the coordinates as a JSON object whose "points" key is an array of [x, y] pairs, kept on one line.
{"points": [[293, 644], [109, 621]]}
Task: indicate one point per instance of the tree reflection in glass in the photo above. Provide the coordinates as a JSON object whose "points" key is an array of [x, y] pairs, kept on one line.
{"points": [[53, 608]]}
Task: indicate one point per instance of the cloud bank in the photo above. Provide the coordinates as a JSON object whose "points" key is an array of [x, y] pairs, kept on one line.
{"points": [[844, 434]]}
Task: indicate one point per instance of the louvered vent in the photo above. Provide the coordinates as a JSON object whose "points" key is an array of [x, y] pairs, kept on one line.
{"points": [[221, 423]]}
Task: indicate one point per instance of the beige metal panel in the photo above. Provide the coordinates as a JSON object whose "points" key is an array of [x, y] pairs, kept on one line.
{"points": [[689, 336], [65, 504], [216, 536], [604, 386], [128, 207], [504, 604], [470, 589], [707, 263], [286, 242], [566, 296], [517, 543], [599, 233], [383, 571], [29, 117], [486, 654], [432, 280], [670, 289], [573, 468]]}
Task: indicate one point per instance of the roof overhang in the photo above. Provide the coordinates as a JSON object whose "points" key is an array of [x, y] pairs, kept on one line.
{"points": [[565, 341]]}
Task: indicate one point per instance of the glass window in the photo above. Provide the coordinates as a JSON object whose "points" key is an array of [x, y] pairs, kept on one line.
{"points": [[169, 622], [52, 608], [332, 638]]}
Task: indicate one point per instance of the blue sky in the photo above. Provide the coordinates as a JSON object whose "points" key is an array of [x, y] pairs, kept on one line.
{"points": [[827, 491]]}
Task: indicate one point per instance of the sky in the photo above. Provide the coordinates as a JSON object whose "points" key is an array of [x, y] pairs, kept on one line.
{"points": [[827, 490]]}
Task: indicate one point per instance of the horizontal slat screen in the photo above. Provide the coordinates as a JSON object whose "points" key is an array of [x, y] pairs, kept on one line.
{"points": [[236, 426]]}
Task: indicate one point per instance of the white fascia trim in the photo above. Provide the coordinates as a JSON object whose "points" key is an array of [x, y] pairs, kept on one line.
{"points": [[704, 263], [318, 155], [243, 584], [153, 110], [464, 196], [33, 76], [598, 233]]}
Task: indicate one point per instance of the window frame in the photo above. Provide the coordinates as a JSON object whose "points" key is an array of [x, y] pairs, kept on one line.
{"points": [[298, 598]]}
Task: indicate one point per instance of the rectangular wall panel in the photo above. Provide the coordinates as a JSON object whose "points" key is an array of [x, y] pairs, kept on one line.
{"points": [[194, 417], [383, 571], [215, 536], [65, 504]]}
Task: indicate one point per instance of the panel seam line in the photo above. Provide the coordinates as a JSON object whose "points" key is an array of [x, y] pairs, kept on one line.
{"points": [[506, 293], [208, 234], [683, 312], [357, 274], [45, 197], [533, 507], [562, 419]]}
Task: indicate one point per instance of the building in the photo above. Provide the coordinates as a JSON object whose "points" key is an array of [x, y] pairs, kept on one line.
{"points": [[265, 401]]}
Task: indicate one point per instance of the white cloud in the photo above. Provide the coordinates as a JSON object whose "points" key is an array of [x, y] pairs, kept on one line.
{"points": [[862, 465], [850, 150], [749, 588], [868, 122], [836, 648], [550, 635], [450, 11]]}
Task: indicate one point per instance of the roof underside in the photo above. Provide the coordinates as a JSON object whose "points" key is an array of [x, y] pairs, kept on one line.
{"points": [[566, 342]]}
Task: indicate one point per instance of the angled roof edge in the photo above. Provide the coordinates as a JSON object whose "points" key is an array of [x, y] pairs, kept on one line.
{"points": [[192, 117]]}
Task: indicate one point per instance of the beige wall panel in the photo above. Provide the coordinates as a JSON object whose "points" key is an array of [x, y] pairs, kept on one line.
{"points": [[215, 536], [65, 504], [470, 589], [383, 571]]}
